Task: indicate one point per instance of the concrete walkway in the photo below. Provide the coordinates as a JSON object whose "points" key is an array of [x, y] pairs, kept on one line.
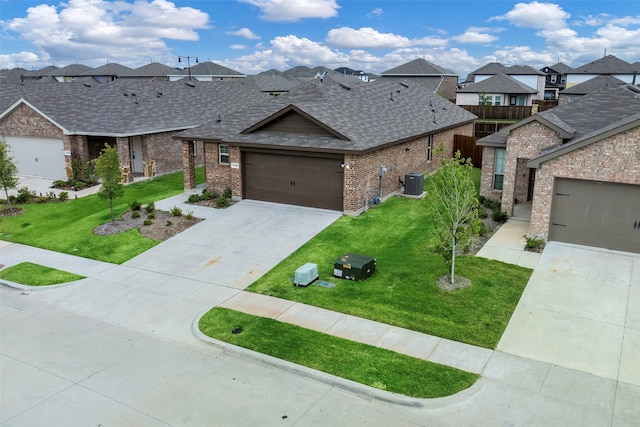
{"points": [[119, 346]]}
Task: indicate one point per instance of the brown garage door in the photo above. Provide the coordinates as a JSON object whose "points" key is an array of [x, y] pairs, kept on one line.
{"points": [[593, 213], [293, 179]]}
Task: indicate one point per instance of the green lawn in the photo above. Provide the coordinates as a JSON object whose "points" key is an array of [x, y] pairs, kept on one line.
{"points": [[30, 274], [67, 226], [403, 291], [362, 363]]}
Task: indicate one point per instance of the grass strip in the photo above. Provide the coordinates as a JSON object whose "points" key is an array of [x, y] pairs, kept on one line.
{"points": [[27, 273], [67, 227], [362, 363]]}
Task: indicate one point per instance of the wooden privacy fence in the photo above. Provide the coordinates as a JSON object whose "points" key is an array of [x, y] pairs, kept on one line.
{"points": [[509, 112], [482, 129], [468, 148]]}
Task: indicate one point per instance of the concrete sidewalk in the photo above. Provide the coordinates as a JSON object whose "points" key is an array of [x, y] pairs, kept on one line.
{"points": [[507, 245]]}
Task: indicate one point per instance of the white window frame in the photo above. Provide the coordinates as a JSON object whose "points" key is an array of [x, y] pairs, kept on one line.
{"points": [[499, 161], [223, 157], [553, 78], [195, 148], [498, 100]]}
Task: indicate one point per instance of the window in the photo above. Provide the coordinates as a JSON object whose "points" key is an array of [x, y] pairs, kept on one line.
{"points": [[223, 151], [498, 169], [195, 148], [429, 147], [563, 79], [521, 101], [553, 78], [498, 101], [512, 100]]}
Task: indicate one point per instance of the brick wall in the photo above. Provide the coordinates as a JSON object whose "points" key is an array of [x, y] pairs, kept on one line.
{"points": [[524, 142], [23, 121], [615, 159], [486, 179]]}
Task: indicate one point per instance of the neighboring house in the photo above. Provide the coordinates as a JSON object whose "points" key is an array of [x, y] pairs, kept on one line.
{"points": [[607, 66], [327, 144], [49, 124], [205, 72], [593, 85], [556, 80], [361, 74], [497, 90], [578, 165], [435, 78], [525, 74]]}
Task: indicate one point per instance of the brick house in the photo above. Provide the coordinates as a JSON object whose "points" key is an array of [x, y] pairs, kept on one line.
{"points": [[49, 124], [327, 144], [578, 165]]}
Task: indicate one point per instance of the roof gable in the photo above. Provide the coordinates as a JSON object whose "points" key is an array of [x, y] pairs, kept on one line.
{"points": [[500, 83], [418, 67], [607, 65], [592, 85], [293, 120]]}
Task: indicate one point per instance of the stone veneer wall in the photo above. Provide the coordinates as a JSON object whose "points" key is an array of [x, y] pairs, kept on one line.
{"points": [[615, 159]]}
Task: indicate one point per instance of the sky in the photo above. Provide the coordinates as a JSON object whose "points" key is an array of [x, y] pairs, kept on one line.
{"points": [[251, 36]]}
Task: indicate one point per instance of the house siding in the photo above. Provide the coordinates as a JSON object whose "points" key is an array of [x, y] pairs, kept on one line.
{"points": [[615, 159]]}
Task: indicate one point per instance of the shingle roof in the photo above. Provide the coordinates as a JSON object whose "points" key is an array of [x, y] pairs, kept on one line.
{"points": [[593, 85], [560, 68], [154, 69], [499, 83], [523, 70], [111, 69], [369, 115], [418, 67], [73, 70], [213, 69], [274, 82], [132, 107], [607, 65]]}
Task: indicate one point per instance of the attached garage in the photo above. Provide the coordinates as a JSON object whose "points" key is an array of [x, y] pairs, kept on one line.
{"points": [[294, 178], [38, 156], [594, 213]]}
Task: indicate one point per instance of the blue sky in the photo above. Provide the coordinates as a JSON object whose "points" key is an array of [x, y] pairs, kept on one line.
{"points": [[251, 36]]}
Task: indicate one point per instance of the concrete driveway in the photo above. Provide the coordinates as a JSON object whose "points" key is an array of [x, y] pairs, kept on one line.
{"points": [[581, 310]]}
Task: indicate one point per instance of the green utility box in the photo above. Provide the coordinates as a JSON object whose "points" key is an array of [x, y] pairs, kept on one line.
{"points": [[354, 266]]}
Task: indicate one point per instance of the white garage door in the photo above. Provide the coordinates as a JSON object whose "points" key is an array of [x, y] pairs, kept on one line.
{"points": [[38, 156]]}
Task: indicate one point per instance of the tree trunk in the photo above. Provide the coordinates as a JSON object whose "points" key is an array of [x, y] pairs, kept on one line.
{"points": [[111, 207], [453, 261], [8, 199]]}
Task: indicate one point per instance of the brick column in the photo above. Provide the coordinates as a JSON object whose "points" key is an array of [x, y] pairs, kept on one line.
{"points": [[188, 166]]}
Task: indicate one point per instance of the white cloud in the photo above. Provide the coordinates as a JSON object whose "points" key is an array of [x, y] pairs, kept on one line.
{"points": [[375, 13], [367, 37], [237, 47], [244, 32], [98, 31], [535, 15], [21, 59], [475, 37], [295, 10]]}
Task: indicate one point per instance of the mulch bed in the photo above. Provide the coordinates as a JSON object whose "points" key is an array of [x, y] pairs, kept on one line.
{"points": [[164, 226]]}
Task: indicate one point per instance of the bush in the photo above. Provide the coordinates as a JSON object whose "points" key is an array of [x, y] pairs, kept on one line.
{"points": [[135, 214], [226, 193], [151, 207], [79, 185], [208, 195], [147, 222], [491, 204], [135, 205], [534, 242], [482, 213], [500, 216], [222, 202], [64, 195], [189, 215], [24, 195], [483, 229], [168, 223], [176, 211], [193, 198], [151, 216], [59, 183]]}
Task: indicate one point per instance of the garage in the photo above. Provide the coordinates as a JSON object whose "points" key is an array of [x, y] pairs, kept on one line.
{"points": [[594, 213], [42, 157], [294, 179]]}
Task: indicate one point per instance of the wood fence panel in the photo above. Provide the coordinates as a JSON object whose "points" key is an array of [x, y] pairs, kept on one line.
{"points": [[468, 148], [507, 112]]}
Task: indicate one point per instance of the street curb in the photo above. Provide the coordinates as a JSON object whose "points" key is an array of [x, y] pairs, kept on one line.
{"points": [[335, 381]]}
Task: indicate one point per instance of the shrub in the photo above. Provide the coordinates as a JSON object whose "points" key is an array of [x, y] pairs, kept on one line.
{"points": [[481, 200], [147, 222], [64, 195], [222, 202], [483, 229], [79, 185], [534, 242], [135, 214], [193, 198], [151, 216], [168, 223], [42, 199], [59, 183], [51, 195], [189, 215], [499, 216], [226, 193], [482, 213], [135, 205], [151, 207], [24, 195], [176, 211], [491, 204], [208, 195]]}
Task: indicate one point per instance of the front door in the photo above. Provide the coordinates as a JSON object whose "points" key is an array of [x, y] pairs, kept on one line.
{"points": [[135, 148]]}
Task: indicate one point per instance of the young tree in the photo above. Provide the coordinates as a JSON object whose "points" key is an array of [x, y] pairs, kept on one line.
{"points": [[108, 170], [8, 170], [455, 207]]}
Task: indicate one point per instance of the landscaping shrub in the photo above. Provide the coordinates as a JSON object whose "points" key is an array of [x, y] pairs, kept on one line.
{"points": [[189, 215], [168, 223], [500, 216], [222, 202], [151, 216], [59, 183], [151, 207], [147, 222], [135, 205], [208, 195], [482, 213], [79, 185], [534, 242], [176, 211], [135, 214], [24, 195], [193, 198], [64, 195], [226, 193]]}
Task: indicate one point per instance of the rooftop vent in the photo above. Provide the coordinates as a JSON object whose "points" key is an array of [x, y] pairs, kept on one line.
{"points": [[404, 84], [345, 86]]}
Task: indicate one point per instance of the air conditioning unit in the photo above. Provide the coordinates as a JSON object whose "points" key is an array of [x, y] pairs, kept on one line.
{"points": [[414, 184], [305, 274]]}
